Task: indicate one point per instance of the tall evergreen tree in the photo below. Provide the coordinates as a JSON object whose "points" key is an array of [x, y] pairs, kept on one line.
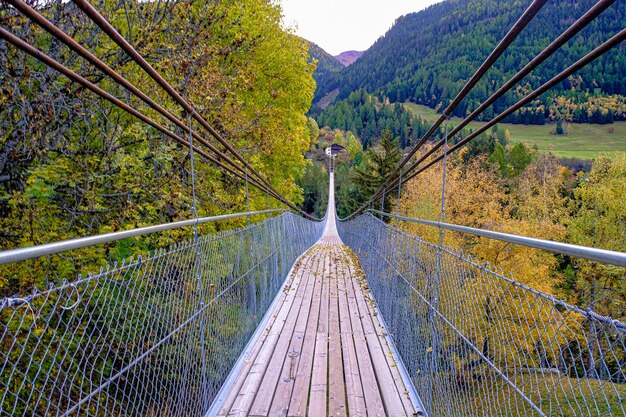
{"points": [[379, 162]]}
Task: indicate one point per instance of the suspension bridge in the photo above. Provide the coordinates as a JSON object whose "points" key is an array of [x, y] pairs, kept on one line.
{"points": [[298, 316]]}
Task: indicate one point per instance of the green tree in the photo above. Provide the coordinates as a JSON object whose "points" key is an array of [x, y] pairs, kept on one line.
{"points": [[314, 130], [519, 158], [379, 161], [339, 139], [559, 127], [353, 145], [314, 184], [600, 221], [499, 158], [512, 161]]}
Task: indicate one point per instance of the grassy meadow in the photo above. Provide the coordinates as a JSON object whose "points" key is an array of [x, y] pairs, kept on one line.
{"points": [[581, 141]]}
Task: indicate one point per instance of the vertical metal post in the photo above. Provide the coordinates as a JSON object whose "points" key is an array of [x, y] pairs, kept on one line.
{"points": [[247, 198], [399, 188], [442, 214], [194, 207], [438, 276], [198, 269], [382, 205]]}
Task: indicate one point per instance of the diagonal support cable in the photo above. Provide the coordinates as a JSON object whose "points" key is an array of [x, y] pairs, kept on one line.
{"points": [[502, 46], [590, 57], [52, 63], [108, 28]]}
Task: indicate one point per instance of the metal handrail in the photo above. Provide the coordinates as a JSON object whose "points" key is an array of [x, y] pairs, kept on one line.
{"points": [[586, 252], [31, 252]]}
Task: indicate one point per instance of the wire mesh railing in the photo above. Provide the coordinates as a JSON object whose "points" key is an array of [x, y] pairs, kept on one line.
{"points": [[476, 342], [151, 336]]}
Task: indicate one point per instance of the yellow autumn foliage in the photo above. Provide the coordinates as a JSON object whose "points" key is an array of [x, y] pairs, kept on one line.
{"points": [[476, 196]]}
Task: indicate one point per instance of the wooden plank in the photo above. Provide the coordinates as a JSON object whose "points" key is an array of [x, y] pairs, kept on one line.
{"points": [[354, 388], [302, 383], [319, 376], [263, 400], [245, 397], [243, 373], [298, 269], [371, 393], [241, 377], [409, 408], [336, 382], [389, 391], [307, 319]]}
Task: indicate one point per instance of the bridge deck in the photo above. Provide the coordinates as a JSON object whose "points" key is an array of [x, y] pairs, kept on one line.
{"points": [[323, 352]]}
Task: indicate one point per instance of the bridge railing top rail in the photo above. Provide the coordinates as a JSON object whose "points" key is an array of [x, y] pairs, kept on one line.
{"points": [[494, 270], [586, 252], [476, 341], [31, 252]]}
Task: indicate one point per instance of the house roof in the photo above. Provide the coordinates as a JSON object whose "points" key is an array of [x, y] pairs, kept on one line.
{"points": [[335, 148]]}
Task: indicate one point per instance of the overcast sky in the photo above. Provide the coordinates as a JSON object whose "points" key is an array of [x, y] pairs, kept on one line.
{"points": [[342, 25]]}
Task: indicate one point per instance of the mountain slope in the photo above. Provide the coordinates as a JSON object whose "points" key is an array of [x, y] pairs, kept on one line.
{"points": [[328, 68], [426, 57], [349, 57]]}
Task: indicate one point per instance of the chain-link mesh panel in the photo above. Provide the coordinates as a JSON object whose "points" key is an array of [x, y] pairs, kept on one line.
{"points": [[477, 343], [152, 336]]}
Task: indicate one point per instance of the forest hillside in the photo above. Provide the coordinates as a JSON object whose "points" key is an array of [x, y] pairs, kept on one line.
{"points": [[426, 57]]}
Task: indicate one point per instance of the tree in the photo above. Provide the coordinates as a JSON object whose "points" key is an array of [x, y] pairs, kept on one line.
{"points": [[314, 130], [519, 158], [499, 158], [511, 161], [599, 220], [339, 139], [314, 184], [559, 127], [353, 145], [87, 167], [378, 163], [539, 193]]}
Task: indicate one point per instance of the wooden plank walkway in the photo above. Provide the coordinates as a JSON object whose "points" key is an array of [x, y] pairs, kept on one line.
{"points": [[323, 352]]}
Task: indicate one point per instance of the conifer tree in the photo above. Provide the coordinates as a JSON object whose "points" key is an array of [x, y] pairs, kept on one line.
{"points": [[379, 162]]}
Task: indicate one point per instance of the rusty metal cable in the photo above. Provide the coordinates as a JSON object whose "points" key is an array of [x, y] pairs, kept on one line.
{"points": [[107, 28], [52, 63], [568, 34], [502, 46]]}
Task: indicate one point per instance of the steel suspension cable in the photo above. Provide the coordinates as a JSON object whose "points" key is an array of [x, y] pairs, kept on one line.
{"points": [[107, 28], [502, 46], [568, 34], [52, 63], [591, 56], [48, 26]]}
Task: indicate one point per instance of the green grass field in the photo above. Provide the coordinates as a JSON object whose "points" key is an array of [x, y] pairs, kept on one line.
{"points": [[581, 141]]}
